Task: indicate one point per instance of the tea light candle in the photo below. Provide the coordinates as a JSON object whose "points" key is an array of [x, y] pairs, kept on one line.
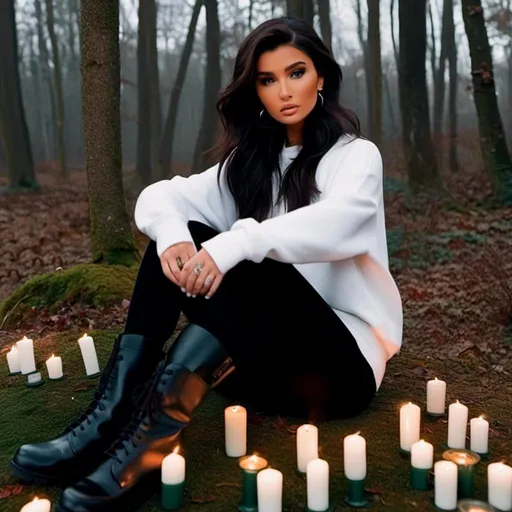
{"points": [[250, 465], [26, 351], [410, 418], [173, 481], [479, 435], [436, 397], [317, 475], [13, 360], [465, 460], [457, 425], [54, 365], [499, 486], [235, 424], [89, 356], [34, 379], [354, 461], [474, 506], [445, 485], [422, 460], [37, 505], [270, 490], [307, 446]]}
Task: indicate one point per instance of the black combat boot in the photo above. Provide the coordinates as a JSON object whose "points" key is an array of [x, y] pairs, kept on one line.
{"points": [[78, 450], [131, 471]]}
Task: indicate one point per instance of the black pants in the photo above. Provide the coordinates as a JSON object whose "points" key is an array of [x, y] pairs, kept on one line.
{"points": [[293, 354]]}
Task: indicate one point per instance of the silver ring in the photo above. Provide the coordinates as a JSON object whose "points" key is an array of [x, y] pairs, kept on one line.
{"points": [[198, 268], [208, 281]]}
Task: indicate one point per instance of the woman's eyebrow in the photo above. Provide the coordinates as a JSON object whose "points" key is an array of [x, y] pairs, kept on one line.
{"points": [[287, 68]]}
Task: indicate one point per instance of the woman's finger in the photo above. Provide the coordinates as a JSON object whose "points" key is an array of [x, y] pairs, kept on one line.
{"points": [[173, 266], [199, 285], [167, 271], [215, 285], [191, 281], [207, 284]]}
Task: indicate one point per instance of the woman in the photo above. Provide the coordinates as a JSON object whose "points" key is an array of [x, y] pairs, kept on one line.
{"points": [[276, 255]]}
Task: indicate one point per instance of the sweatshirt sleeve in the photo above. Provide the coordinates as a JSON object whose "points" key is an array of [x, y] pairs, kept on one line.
{"points": [[163, 209], [336, 227]]}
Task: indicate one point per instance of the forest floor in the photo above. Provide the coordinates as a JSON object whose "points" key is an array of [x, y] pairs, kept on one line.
{"points": [[452, 265]]}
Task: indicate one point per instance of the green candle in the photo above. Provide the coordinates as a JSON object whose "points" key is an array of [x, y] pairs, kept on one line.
{"points": [[356, 495], [465, 460], [173, 481], [251, 465]]}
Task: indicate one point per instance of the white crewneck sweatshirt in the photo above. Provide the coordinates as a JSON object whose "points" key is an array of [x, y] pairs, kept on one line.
{"points": [[338, 243]]}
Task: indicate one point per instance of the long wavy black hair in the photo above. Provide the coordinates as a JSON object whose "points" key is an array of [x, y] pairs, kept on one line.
{"points": [[250, 146]]}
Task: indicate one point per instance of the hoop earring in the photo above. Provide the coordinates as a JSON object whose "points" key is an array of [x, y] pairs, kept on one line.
{"points": [[321, 98], [261, 113]]}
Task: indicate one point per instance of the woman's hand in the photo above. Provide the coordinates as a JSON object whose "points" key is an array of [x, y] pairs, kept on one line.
{"points": [[170, 258], [204, 283]]}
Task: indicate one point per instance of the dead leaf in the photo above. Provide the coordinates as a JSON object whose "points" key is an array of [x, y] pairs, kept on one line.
{"points": [[201, 499], [8, 491]]}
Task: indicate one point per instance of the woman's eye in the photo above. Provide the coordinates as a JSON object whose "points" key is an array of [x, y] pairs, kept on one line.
{"points": [[301, 71], [264, 81]]}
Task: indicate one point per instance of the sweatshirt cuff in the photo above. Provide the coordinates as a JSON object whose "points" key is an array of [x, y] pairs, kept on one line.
{"points": [[227, 249], [168, 231]]}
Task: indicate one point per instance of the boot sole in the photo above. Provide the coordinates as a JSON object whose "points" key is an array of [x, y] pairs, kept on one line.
{"points": [[33, 478]]}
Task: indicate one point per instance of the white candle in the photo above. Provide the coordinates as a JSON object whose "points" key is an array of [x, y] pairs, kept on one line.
{"points": [[235, 420], [13, 360], [32, 378], [479, 429], [307, 446], [410, 418], [457, 425], [173, 469], [26, 350], [270, 490], [89, 354], [354, 457], [54, 366], [422, 455], [436, 396], [445, 479], [499, 485], [317, 476], [37, 505]]}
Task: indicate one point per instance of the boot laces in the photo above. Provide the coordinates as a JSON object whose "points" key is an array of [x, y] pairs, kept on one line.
{"points": [[146, 408], [100, 395]]}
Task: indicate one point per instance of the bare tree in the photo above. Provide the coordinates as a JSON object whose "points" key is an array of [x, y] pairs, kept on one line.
{"points": [[302, 9], [375, 68], [452, 93], [324, 15]]}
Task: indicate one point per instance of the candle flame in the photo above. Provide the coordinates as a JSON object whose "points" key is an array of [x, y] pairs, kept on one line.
{"points": [[25, 337], [85, 334], [14, 347], [53, 355], [234, 408], [435, 378], [481, 417], [177, 449], [357, 433], [36, 499]]}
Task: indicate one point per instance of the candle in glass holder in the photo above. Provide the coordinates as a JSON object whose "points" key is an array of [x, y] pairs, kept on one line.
{"points": [[26, 351], [54, 366], [37, 505], [479, 435], [465, 461], [474, 506], [457, 425], [34, 380], [317, 474], [307, 446], [410, 418], [270, 490], [251, 465], [173, 481], [235, 422], [445, 485], [13, 360], [436, 397], [499, 485], [89, 355], [354, 462], [422, 460]]}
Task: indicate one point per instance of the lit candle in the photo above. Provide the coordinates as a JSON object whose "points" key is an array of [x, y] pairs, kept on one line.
{"points": [[173, 481], [457, 425], [465, 460], [37, 505], [474, 506], [479, 429], [317, 475], [445, 488], [235, 421], [354, 462], [26, 350], [13, 360], [422, 460], [307, 446], [270, 490], [436, 396], [410, 418], [89, 355], [250, 465], [499, 485], [54, 365]]}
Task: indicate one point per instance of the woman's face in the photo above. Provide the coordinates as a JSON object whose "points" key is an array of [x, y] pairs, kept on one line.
{"points": [[286, 76]]}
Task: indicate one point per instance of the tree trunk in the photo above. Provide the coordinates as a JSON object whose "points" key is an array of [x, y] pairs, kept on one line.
{"points": [[209, 124], [58, 88], [302, 9], [112, 239], [492, 137], [452, 92], [324, 15], [13, 124], [418, 148], [376, 71], [172, 113]]}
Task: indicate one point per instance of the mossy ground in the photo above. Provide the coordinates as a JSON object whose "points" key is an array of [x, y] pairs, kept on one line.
{"points": [[214, 480]]}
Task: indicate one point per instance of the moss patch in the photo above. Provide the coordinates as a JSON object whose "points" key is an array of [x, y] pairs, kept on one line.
{"points": [[90, 284], [214, 480]]}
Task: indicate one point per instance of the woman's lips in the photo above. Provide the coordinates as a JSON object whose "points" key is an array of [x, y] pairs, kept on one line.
{"points": [[289, 111]]}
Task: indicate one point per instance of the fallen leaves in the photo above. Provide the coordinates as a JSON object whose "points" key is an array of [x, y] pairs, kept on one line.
{"points": [[8, 491]]}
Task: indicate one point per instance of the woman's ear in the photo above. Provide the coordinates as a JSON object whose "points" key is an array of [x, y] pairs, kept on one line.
{"points": [[320, 83]]}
